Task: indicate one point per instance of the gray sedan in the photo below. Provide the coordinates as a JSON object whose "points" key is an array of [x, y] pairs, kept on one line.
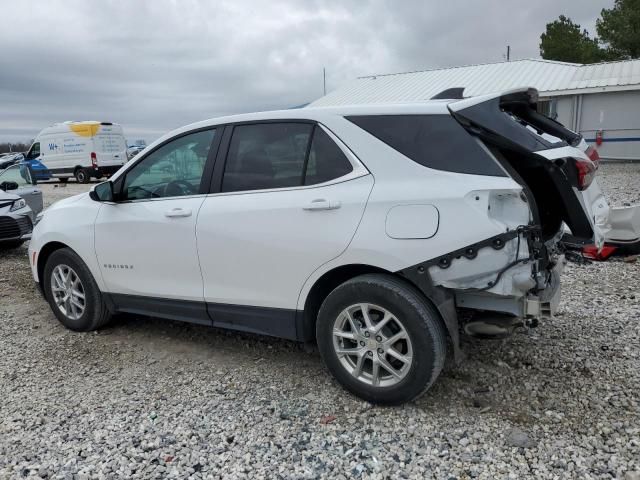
{"points": [[15, 220]]}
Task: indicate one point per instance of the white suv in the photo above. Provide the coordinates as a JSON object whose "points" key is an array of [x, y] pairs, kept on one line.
{"points": [[365, 229]]}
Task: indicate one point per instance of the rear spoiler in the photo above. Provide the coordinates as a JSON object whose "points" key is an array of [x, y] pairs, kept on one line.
{"points": [[502, 116]]}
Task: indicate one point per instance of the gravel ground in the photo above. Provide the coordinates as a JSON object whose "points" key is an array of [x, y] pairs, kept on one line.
{"points": [[149, 398]]}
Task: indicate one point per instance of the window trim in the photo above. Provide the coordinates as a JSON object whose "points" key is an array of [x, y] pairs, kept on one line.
{"points": [[207, 172], [358, 168]]}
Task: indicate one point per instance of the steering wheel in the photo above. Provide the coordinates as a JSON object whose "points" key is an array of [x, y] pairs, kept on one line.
{"points": [[177, 188]]}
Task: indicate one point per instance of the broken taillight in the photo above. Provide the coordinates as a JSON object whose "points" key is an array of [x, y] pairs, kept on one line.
{"points": [[591, 252], [593, 155], [586, 171]]}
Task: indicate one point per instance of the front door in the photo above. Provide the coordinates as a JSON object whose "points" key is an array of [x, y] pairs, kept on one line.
{"points": [[290, 200], [145, 241]]}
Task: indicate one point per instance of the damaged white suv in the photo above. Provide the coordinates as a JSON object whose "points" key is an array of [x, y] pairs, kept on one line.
{"points": [[366, 229]]}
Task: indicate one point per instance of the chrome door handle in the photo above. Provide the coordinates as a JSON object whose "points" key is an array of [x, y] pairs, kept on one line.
{"points": [[177, 212], [321, 204]]}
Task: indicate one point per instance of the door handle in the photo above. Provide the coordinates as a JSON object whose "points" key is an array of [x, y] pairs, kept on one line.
{"points": [[321, 204], [177, 212]]}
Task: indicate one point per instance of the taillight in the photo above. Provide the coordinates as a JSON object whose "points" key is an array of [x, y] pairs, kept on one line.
{"points": [[593, 155], [591, 251], [586, 172], [94, 159]]}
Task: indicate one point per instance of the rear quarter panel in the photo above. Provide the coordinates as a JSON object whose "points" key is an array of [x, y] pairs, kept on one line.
{"points": [[462, 202]]}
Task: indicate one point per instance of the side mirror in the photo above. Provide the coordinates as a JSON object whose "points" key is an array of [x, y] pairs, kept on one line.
{"points": [[103, 192], [9, 186]]}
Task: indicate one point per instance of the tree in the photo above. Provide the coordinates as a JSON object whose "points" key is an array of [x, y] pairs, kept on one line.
{"points": [[566, 42], [619, 28]]}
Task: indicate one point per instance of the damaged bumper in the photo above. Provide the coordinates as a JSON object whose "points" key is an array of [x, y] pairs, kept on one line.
{"points": [[542, 305]]}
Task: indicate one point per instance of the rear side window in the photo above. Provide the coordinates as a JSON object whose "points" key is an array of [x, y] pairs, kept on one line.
{"points": [[326, 160], [279, 155], [434, 141]]}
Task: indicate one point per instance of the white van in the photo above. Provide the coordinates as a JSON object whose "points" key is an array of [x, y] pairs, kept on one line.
{"points": [[80, 149]]}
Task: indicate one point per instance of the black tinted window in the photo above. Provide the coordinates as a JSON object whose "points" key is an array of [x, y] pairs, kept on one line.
{"points": [[326, 160], [266, 155], [435, 141]]}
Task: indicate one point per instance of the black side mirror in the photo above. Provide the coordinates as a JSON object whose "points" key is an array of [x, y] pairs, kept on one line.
{"points": [[9, 186], [103, 192]]}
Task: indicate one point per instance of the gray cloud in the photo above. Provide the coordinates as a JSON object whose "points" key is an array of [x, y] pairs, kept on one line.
{"points": [[156, 65]]}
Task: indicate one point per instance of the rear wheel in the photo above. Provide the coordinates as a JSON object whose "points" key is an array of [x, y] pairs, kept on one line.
{"points": [[82, 176], [381, 339], [72, 292]]}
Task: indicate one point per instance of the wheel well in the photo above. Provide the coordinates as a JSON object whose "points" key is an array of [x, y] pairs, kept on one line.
{"points": [[333, 278], [323, 287], [43, 256]]}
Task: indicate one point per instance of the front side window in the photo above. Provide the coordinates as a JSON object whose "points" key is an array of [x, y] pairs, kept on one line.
{"points": [[279, 155], [173, 170]]}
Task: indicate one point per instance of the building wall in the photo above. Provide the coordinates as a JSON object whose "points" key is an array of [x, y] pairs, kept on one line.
{"points": [[617, 114], [564, 108]]}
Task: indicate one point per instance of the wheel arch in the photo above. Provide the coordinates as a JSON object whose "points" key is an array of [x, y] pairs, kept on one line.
{"points": [[328, 281], [44, 254]]}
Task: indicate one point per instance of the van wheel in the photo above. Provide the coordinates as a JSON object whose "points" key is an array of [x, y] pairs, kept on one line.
{"points": [[381, 339], [63, 179], [72, 292], [82, 176]]}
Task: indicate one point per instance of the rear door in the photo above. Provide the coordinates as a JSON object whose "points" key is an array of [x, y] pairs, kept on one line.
{"points": [[110, 145], [288, 198]]}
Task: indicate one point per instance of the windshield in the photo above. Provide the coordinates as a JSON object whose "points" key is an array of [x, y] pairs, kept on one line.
{"points": [[19, 174]]}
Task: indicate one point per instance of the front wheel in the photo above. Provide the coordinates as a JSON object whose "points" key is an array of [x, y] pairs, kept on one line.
{"points": [[381, 339], [72, 292], [82, 176]]}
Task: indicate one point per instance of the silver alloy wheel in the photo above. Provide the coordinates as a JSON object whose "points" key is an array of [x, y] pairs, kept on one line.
{"points": [[68, 292], [372, 344]]}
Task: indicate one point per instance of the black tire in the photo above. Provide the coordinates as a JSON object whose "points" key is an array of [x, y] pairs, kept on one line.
{"points": [[82, 175], [96, 313], [420, 319], [63, 179], [10, 244]]}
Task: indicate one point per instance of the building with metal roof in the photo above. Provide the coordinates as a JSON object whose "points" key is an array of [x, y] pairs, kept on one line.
{"points": [[601, 101]]}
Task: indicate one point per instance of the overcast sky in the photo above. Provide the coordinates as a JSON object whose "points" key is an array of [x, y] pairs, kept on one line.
{"points": [[156, 65]]}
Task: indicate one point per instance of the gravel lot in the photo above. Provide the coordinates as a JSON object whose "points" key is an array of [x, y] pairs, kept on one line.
{"points": [[149, 398]]}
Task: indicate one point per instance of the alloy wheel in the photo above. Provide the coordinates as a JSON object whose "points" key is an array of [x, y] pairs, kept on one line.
{"points": [[68, 292], [372, 344]]}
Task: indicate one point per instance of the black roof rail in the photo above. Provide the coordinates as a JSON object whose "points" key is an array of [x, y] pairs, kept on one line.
{"points": [[450, 94]]}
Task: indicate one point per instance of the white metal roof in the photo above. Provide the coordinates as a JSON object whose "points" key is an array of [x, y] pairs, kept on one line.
{"points": [[549, 77]]}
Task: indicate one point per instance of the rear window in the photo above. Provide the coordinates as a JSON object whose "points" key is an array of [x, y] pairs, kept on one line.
{"points": [[434, 141]]}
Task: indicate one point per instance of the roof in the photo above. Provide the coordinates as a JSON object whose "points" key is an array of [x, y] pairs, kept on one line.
{"points": [[549, 77]]}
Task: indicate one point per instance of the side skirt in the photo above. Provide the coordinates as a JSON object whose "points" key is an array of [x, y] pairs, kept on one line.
{"points": [[275, 322]]}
